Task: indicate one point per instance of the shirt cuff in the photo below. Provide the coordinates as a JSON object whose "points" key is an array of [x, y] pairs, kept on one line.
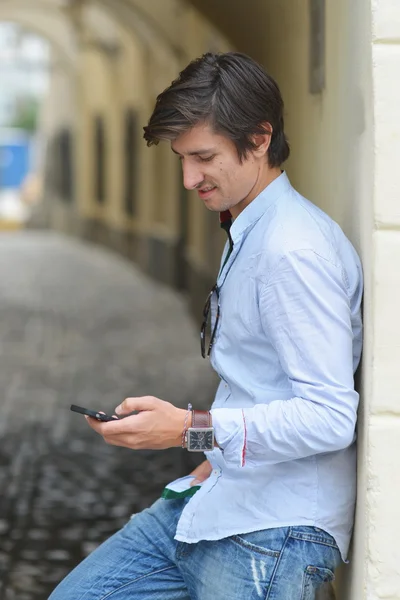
{"points": [[231, 434]]}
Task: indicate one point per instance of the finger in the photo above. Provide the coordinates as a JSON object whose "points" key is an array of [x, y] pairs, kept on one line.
{"points": [[204, 467], [118, 428], [101, 412], [199, 479], [140, 403], [197, 470], [201, 473], [102, 427], [93, 423]]}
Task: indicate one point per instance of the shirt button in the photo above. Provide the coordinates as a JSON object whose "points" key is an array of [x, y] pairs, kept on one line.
{"points": [[215, 472]]}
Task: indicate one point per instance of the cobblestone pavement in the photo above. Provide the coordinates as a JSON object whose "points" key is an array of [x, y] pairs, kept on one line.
{"points": [[80, 325]]}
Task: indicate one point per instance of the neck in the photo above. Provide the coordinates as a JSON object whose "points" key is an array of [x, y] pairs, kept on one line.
{"points": [[263, 180]]}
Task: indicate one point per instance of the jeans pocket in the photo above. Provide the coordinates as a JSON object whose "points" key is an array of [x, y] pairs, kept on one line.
{"points": [[260, 542], [313, 534], [314, 577]]}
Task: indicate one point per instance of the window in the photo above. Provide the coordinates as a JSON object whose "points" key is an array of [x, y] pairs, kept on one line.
{"points": [[65, 169], [130, 161], [100, 160]]}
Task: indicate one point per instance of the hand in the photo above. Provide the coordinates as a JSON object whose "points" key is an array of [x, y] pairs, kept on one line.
{"points": [[157, 426], [202, 472]]}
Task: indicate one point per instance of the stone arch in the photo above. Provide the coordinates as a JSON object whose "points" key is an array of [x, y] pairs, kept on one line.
{"points": [[139, 18], [47, 21]]}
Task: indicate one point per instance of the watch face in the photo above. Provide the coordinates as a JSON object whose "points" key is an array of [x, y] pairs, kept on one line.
{"points": [[200, 440]]}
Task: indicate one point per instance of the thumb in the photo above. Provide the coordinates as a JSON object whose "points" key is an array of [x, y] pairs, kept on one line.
{"points": [[201, 473], [136, 404], [197, 481]]}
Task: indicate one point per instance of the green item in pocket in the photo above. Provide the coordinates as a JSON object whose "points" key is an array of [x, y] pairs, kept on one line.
{"points": [[180, 488]]}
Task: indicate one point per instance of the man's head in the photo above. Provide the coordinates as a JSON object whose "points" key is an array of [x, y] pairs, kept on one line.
{"points": [[224, 117]]}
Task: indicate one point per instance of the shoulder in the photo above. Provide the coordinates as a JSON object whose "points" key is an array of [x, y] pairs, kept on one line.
{"points": [[296, 228], [295, 223]]}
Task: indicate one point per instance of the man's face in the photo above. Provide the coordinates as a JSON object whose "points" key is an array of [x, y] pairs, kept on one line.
{"points": [[211, 165]]}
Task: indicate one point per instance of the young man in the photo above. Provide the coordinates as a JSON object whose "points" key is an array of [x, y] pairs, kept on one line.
{"points": [[273, 515]]}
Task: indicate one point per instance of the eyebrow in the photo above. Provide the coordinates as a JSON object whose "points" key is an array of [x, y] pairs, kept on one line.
{"points": [[196, 152]]}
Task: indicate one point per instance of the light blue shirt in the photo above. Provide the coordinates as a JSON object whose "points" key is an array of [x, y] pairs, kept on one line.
{"points": [[287, 345]]}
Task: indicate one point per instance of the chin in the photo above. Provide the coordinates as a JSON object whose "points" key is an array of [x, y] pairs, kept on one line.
{"points": [[210, 205], [216, 206]]}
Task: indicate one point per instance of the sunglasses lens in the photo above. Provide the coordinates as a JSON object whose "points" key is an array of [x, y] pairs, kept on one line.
{"points": [[203, 339], [207, 333]]}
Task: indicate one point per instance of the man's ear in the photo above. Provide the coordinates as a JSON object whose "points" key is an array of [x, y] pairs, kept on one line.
{"points": [[262, 140]]}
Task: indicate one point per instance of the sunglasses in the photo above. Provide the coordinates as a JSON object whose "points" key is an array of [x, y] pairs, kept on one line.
{"points": [[207, 334]]}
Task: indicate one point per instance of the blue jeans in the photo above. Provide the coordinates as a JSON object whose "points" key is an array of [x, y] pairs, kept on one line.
{"points": [[142, 561]]}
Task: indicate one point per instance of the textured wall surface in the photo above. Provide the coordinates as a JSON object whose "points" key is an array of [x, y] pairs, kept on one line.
{"points": [[383, 571]]}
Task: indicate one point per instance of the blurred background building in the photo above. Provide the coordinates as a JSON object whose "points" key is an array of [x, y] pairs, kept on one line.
{"points": [[88, 87], [24, 73]]}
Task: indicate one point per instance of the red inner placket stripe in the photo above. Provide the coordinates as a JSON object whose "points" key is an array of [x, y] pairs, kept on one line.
{"points": [[244, 441]]}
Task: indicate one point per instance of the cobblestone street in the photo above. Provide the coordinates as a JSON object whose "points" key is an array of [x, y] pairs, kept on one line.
{"points": [[80, 325]]}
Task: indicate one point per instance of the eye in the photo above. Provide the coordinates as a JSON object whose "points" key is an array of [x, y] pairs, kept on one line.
{"points": [[207, 159]]}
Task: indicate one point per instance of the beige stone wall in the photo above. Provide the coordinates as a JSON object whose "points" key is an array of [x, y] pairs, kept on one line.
{"points": [[383, 553]]}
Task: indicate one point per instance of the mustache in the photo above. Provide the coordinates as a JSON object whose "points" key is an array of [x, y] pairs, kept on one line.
{"points": [[205, 184]]}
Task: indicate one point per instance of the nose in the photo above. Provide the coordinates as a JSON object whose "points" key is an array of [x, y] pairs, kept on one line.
{"points": [[192, 176]]}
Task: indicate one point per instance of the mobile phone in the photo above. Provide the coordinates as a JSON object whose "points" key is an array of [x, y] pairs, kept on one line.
{"points": [[92, 413]]}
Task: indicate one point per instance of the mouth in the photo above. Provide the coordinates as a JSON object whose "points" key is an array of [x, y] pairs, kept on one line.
{"points": [[205, 193]]}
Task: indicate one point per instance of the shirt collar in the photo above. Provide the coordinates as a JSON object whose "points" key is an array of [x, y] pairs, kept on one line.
{"points": [[255, 209]]}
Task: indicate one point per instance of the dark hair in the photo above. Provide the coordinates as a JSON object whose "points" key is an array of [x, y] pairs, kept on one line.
{"points": [[232, 93]]}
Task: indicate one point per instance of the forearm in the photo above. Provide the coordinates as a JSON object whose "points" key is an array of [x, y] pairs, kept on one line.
{"points": [[284, 430]]}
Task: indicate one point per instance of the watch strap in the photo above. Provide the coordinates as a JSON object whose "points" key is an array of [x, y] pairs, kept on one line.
{"points": [[201, 418]]}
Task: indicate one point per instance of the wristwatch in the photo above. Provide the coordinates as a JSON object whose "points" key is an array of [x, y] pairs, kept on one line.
{"points": [[200, 436]]}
